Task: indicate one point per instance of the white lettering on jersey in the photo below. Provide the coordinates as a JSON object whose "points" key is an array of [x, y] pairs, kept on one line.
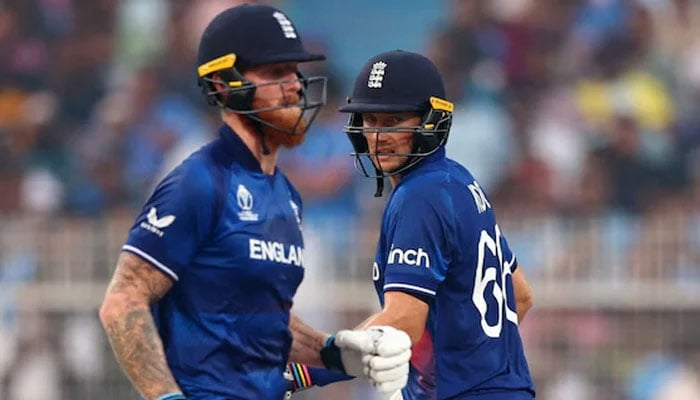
{"points": [[482, 204], [486, 274], [375, 272], [275, 251], [409, 257], [156, 225], [245, 203]]}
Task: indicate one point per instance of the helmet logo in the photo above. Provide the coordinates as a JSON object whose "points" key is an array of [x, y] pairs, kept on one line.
{"points": [[376, 75], [285, 24]]}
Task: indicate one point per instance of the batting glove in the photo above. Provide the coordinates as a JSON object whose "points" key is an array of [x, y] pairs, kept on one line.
{"points": [[380, 353]]}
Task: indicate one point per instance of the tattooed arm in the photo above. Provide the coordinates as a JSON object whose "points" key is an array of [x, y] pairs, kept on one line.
{"points": [[126, 317]]}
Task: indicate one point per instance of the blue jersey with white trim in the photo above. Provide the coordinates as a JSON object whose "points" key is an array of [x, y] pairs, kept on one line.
{"points": [[440, 242], [229, 236]]}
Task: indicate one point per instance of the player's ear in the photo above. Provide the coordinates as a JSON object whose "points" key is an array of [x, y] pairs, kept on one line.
{"points": [[216, 82]]}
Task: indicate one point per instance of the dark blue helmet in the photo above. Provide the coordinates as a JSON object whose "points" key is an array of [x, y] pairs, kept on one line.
{"points": [[399, 81], [246, 36]]}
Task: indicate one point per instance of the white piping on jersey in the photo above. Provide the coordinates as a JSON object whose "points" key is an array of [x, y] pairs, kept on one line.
{"points": [[151, 260], [406, 286]]}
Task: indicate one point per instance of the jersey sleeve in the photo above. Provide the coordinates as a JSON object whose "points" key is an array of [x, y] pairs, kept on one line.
{"points": [[176, 219], [508, 256], [419, 234]]}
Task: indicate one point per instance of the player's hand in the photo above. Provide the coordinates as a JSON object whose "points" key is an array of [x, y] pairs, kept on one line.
{"points": [[380, 353]]}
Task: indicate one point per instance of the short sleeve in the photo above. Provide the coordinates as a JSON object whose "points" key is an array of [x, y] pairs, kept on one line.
{"points": [[419, 233], [508, 256], [176, 219]]}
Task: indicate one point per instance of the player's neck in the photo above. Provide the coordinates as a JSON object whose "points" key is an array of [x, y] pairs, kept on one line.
{"points": [[395, 179], [252, 139]]}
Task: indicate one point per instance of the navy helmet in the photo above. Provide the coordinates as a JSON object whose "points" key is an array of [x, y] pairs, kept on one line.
{"points": [[393, 82], [247, 36]]}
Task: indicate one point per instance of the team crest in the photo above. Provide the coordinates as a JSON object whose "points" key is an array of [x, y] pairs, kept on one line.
{"points": [[376, 76], [245, 203], [286, 25]]}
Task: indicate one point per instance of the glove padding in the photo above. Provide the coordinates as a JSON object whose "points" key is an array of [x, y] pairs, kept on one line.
{"points": [[380, 353]]}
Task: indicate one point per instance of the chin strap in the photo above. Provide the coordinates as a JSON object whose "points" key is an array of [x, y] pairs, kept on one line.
{"points": [[380, 183], [261, 132]]}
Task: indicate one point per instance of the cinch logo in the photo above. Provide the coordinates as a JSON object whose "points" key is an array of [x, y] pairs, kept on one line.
{"points": [[275, 251], [285, 24], [376, 76], [409, 257], [155, 224], [245, 203]]}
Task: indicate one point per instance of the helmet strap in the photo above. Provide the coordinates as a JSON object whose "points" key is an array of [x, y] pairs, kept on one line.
{"points": [[380, 184], [261, 133]]}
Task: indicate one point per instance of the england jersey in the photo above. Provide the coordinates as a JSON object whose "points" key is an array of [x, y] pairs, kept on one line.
{"points": [[440, 242], [229, 237]]}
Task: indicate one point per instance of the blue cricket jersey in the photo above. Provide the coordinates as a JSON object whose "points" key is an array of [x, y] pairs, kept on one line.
{"points": [[229, 236], [440, 242]]}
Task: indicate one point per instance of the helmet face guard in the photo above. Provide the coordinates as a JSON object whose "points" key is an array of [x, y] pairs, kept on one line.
{"points": [[428, 137], [237, 93]]}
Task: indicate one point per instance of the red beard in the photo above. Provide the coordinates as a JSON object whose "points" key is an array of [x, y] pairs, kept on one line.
{"points": [[290, 119]]}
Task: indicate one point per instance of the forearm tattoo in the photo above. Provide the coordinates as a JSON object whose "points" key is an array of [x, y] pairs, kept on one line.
{"points": [[132, 331]]}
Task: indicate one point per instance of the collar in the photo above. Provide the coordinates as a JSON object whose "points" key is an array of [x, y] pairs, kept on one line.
{"points": [[426, 163], [232, 145]]}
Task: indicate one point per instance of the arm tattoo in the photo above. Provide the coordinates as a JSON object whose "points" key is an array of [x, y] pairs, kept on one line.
{"points": [[130, 327], [307, 343]]}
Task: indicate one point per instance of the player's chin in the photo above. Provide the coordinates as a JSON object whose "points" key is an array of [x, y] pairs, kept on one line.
{"points": [[288, 127], [387, 163]]}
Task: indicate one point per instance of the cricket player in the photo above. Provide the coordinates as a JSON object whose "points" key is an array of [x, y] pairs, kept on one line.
{"points": [[443, 270], [199, 304]]}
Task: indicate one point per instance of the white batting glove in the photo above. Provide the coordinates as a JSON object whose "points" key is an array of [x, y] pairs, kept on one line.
{"points": [[380, 353]]}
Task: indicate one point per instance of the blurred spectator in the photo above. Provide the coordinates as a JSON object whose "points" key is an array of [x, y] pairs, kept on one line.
{"points": [[662, 377]]}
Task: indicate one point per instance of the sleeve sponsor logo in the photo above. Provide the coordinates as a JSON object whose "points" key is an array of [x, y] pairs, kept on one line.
{"points": [[156, 225], [375, 272], [417, 257]]}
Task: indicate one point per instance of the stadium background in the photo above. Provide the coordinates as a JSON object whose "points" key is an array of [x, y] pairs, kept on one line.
{"points": [[581, 118]]}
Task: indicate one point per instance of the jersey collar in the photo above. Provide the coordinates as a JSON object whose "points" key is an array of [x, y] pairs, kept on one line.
{"points": [[234, 146], [428, 162]]}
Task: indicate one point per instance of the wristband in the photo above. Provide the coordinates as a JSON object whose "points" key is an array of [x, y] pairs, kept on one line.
{"points": [[330, 355], [301, 378], [172, 396]]}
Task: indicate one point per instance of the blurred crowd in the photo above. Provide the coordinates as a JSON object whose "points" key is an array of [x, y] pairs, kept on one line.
{"points": [[580, 118], [573, 107]]}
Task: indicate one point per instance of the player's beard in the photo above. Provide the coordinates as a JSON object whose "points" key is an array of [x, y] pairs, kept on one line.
{"points": [[290, 119]]}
